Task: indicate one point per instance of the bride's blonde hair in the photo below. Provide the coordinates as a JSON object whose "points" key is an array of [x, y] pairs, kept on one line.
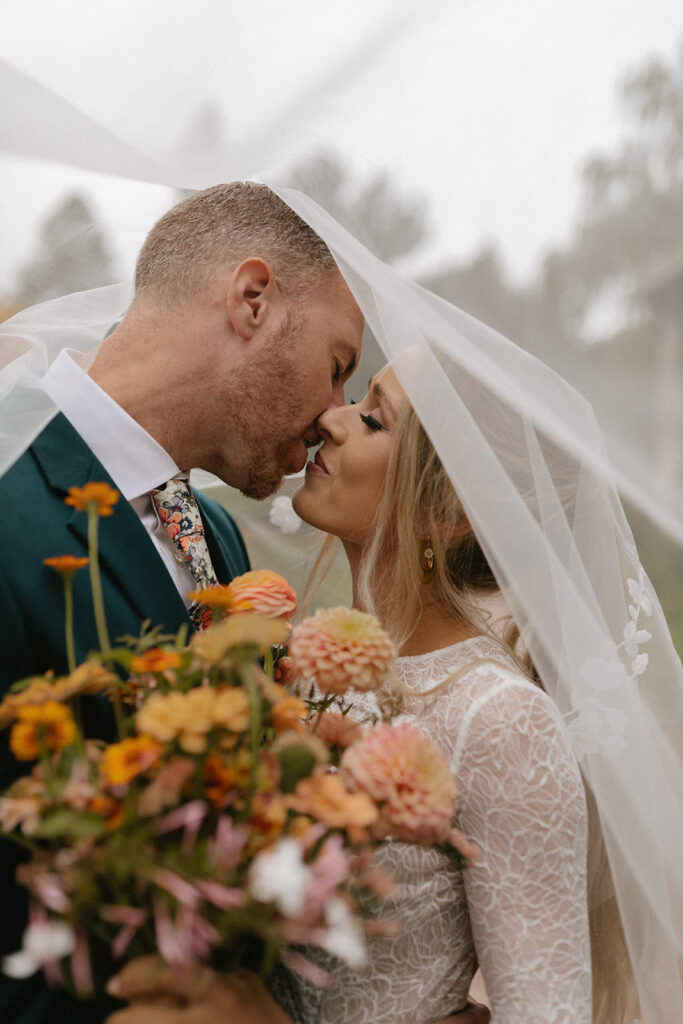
{"points": [[419, 501]]}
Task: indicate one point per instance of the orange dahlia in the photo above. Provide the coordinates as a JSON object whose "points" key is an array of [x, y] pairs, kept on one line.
{"points": [[289, 715], [326, 798], [265, 592], [342, 648], [408, 776]]}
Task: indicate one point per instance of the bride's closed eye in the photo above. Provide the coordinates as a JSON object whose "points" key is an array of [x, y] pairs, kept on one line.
{"points": [[371, 422]]}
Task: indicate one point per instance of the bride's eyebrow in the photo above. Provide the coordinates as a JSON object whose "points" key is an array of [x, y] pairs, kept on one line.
{"points": [[381, 394]]}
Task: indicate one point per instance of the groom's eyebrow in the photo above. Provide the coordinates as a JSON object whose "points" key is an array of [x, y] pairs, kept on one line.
{"points": [[351, 365]]}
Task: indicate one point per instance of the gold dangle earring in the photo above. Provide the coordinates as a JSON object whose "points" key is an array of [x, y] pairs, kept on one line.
{"points": [[426, 561]]}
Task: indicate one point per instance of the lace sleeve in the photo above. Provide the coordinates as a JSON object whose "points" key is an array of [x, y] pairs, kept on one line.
{"points": [[523, 801]]}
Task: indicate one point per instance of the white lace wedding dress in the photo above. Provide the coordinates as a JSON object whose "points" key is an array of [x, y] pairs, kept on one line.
{"points": [[522, 908]]}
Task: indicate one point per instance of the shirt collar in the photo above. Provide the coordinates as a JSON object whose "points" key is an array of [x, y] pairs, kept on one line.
{"points": [[134, 460]]}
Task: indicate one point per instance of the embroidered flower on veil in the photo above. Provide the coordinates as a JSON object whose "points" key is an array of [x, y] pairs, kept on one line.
{"points": [[598, 728]]}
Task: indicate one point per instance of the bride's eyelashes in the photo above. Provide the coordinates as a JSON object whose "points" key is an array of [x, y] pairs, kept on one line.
{"points": [[368, 419], [371, 422]]}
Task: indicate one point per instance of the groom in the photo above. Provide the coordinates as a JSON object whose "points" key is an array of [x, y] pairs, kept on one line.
{"points": [[242, 332]]}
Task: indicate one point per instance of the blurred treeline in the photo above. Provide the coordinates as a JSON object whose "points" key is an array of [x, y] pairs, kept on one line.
{"points": [[609, 301]]}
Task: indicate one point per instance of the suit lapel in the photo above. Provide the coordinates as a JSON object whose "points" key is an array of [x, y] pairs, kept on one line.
{"points": [[128, 557]]}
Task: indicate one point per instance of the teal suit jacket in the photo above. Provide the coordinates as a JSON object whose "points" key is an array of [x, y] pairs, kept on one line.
{"points": [[136, 587]]}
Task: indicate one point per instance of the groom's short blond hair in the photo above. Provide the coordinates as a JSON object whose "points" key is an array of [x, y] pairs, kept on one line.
{"points": [[221, 226]]}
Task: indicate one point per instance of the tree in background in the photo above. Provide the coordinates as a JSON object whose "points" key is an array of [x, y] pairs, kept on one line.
{"points": [[73, 254]]}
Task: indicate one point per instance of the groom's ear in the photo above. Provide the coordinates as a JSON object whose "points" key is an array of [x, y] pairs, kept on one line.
{"points": [[251, 292]]}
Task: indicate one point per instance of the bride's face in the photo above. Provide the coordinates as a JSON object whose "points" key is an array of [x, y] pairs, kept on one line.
{"points": [[344, 482]]}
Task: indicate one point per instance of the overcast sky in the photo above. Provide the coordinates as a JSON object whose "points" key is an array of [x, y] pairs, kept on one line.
{"points": [[487, 108]]}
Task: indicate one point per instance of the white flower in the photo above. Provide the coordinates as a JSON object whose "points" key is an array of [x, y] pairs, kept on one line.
{"points": [[280, 876], [345, 935], [44, 942], [283, 515]]}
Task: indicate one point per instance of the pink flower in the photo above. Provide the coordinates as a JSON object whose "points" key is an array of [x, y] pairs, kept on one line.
{"points": [[342, 648], [329, 870], [408, 777], [337, 730], [265, 592]]}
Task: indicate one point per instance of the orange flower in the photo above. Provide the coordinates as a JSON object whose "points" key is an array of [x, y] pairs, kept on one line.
{"points": [[156, 660], [39, 690], [266, 820], [408, 776], [289, 715], [265, 592], [67, 565], [342, 647], [100, 496], [50, 724], [109, 808], [326, 798], [218, 597], [124, 761]]}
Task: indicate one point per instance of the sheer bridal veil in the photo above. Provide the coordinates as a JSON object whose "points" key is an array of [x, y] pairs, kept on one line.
{"points": [[525, 455]]}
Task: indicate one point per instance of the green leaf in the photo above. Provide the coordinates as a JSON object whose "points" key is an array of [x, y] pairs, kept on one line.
{"points": [[67, 822], [296, 763]]}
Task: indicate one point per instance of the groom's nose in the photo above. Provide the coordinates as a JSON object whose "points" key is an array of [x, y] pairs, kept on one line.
{"points": [[338, 397]]}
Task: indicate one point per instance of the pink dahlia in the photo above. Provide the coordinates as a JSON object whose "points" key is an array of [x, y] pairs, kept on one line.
{"points": [[408, 777], [342, 648], [263, 591]]}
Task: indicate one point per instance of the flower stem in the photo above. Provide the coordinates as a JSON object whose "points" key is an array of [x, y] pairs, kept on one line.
{"points": [[96, 582], [269, 665], [254, 698], [69, 621], [98, 606]]}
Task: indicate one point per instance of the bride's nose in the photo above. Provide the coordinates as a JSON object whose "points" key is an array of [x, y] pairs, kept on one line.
{"points": [[331, 423]]}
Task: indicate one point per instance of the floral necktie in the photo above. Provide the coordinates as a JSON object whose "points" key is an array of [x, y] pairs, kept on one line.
{"points": [[179, 514]]}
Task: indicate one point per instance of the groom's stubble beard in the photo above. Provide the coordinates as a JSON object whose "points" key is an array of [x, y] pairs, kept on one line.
{"points": [[270, 403]]}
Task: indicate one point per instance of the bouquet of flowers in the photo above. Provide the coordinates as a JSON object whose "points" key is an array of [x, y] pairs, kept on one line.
{"points": [[229, 817]]}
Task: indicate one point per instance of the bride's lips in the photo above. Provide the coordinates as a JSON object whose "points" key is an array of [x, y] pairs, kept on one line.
{"points": [[317, 465]]}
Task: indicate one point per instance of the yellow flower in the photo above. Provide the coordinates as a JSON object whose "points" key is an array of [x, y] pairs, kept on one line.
{"points": [[265, 592], [163, 716], [231, 710], [342, 648], [98, 495], [190, 717], [50, 724], [156, 660], [124, 761], [67, 565], [249, 628]]}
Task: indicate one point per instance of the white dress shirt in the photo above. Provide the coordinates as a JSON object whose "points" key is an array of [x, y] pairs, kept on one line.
{"points": [[132, 458]]}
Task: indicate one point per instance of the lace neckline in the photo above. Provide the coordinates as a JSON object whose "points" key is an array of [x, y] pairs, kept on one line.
{"points": [[425, 670]]}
